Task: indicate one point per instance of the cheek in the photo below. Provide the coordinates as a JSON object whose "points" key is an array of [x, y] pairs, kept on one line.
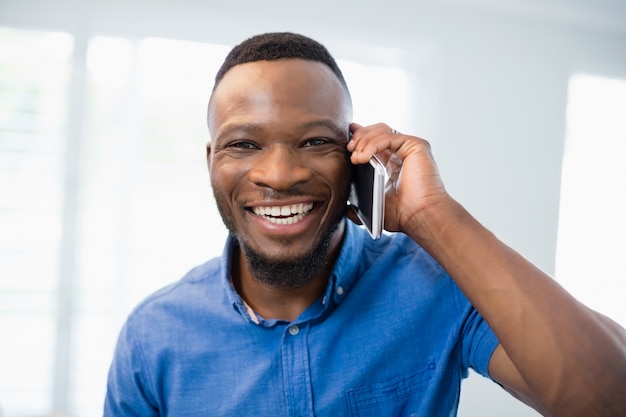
{"points": [[337, 173], [225, 176], [222, 185], [344, 169], [224, 180]]}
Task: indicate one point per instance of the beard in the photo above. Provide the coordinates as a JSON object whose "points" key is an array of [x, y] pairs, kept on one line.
{"points": [[284, 273], [289, 273]]}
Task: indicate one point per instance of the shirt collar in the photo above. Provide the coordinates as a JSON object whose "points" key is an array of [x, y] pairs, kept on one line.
{"points": [[233, 297], [342, 278], [345, 271]]}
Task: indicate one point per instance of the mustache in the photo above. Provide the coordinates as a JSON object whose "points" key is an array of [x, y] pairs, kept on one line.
{"points": [[271, 194]]}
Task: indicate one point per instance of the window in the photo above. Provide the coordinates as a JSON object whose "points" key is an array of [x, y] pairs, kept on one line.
{"points": [[379, 93], [123, 144], [34, 71], [146, 215], [590, 260]]}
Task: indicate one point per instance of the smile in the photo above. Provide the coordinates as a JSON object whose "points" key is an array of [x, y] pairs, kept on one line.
{"points": [[288, 214]]}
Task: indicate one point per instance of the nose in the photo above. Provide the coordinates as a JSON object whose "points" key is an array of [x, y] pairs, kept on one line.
{"points": [[280, 168]]}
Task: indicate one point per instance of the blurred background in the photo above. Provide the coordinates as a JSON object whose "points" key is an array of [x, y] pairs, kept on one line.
{"points": [[104, 192]]}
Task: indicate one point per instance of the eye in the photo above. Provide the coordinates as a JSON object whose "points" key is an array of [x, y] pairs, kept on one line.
{"points": [[314, 142], [243, 145]]}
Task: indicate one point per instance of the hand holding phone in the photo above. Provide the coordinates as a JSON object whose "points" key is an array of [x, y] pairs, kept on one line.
{"points": [[367, 195]]}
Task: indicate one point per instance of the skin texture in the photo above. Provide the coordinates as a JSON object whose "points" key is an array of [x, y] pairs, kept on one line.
{"points": [[279, 134]]}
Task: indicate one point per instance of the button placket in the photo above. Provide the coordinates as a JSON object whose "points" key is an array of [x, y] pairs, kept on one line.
{"points": [[296, 371]]}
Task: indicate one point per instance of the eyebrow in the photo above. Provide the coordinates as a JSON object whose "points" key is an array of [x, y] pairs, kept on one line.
{"points": [[259, 128], [235, 127], [323, 123]]}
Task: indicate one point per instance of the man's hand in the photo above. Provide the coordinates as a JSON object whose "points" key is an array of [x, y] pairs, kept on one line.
{"points": [[413, 183]]}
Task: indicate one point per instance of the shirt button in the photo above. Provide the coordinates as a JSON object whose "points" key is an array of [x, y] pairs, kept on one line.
{"points": [[294, 330], [339, 290]]}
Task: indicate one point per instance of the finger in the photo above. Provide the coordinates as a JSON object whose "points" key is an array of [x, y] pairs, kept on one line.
{"points": [[365, 134], [358, 131], [384, 143], [354, 127], [377, 140]]}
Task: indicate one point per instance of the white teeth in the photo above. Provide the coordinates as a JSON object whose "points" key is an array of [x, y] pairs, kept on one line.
{"points": [[284, 214]]}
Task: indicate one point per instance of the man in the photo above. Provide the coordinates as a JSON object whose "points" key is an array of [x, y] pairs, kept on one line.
{"points": [[305, 314]]}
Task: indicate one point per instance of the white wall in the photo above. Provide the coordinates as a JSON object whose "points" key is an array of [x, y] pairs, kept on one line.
{"points": [[490, 89]]}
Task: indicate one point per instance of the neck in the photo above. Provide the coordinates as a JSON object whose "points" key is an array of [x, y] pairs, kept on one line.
{"points": [[273, 302]]}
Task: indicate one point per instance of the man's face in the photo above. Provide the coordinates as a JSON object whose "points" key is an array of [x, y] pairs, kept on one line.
{"points": [[278, 162]]}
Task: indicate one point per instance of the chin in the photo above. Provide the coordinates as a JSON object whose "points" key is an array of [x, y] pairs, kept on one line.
{"points": [[288, 269]]}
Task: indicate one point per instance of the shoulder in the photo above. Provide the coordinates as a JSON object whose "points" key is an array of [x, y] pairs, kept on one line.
{"points": [[399, 255], [193, 291], [397, 266]]}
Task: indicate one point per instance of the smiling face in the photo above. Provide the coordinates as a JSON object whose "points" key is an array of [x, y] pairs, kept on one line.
{"points": [[278, 162]]}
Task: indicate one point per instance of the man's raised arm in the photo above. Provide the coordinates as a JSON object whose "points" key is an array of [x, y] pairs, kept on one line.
{"points": [[555, 354]]}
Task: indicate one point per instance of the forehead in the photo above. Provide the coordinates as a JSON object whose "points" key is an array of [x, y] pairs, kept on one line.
{"points": [[281, 88]]}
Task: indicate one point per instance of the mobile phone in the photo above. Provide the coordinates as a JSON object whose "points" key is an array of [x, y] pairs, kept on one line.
{"points": [[367, 195]]}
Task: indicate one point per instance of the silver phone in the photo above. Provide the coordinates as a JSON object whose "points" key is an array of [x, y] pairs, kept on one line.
{"points": [[367, 195]]}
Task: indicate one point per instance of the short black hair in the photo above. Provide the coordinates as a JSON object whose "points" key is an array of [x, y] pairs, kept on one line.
{"points": [[278, 45]]}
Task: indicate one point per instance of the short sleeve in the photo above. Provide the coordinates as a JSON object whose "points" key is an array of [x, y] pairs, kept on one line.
{"points": [[478, 343]]}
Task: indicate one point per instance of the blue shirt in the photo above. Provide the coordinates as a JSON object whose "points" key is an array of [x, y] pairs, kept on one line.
{"points": [[392, 336]]}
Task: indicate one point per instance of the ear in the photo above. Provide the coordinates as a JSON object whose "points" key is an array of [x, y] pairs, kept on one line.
{"points": [[208, 155]]}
